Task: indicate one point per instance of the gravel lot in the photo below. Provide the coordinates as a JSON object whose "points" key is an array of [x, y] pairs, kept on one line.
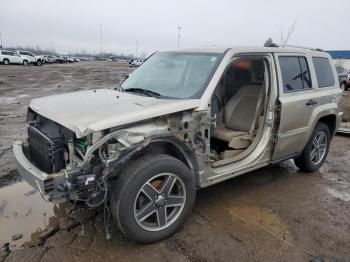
{"points": [[273, 214]]}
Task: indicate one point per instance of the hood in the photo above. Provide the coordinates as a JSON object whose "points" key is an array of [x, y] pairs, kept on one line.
{"points": [[85, 112]]}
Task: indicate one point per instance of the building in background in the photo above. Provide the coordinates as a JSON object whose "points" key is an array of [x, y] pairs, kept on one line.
{"points": [[341, 57]]}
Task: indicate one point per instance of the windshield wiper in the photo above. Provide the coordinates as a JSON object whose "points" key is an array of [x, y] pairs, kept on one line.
{"points": [[143, 91]]}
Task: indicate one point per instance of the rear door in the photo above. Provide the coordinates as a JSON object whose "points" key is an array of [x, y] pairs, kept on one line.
{"points": [[297, 101], [17, 58]]}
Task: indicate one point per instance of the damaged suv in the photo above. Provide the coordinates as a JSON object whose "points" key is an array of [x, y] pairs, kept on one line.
{"points": [[184, 120]]}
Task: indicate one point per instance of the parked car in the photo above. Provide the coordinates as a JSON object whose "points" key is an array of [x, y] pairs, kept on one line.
{"points": [[61, 59], [184, 120], [10, 57], [136, 62], [33, 59], [342, 76], [70, 59], [50, 59]]}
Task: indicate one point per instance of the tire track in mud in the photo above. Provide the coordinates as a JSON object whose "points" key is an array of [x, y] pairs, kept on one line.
{"points": [[184, 249]]}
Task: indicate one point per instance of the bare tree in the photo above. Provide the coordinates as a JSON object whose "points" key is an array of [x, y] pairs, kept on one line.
{"points": [[291, 30]]}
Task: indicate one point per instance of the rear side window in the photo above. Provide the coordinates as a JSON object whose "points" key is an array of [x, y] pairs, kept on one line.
{"points": [[6, 53], [295, 73], [324, 72]]}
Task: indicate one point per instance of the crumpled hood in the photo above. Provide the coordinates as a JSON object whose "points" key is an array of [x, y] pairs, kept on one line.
{"points": [[87, 111]]}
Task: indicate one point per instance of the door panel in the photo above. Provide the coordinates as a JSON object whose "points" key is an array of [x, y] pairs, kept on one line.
{"points": [[295, 108]]}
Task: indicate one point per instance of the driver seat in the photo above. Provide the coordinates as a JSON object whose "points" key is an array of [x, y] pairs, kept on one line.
{"points": [[240, 115]]}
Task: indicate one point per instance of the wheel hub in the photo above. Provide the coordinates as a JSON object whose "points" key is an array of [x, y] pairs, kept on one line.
{"points": [[160, 200]]}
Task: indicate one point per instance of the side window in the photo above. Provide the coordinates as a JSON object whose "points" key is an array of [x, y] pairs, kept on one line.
{"points": [[305, 73], [324, 72], [295, 73]]}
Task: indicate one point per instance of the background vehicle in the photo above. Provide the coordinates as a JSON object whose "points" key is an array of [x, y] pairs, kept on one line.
{"points": [[70, 59], [136, 62], [348, 80], [61, 59], [10, 57], [33, 59], [184, 120], [342, 76], [50, 59]]}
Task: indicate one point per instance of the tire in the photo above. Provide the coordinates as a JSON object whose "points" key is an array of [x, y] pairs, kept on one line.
{"points": [[128, 200], [25, 62], [6, 61], [38, 63], [343, 86], [311, 159]]}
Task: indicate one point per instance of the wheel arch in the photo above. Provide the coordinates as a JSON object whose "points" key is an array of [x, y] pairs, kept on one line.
{"points": [[330, 121], [170, 146]]}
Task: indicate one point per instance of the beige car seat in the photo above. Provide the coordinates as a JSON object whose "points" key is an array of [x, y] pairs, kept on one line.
{"points": [[240, 115]]}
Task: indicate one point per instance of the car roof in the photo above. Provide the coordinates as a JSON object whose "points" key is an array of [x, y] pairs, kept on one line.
{"points": [[253, 49]]}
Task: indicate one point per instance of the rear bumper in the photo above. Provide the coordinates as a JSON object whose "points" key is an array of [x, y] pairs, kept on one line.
{"points": [[45, 183]]}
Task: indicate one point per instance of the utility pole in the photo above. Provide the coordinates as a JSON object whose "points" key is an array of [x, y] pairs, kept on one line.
{"points": [[101, 41], [136, 47], [0, 40], [179, 36]]}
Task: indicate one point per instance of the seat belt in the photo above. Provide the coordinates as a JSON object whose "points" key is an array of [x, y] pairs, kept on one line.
{"points": [[257, 112]]}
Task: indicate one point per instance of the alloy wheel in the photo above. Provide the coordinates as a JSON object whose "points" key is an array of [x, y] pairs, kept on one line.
{"points": [[159, 202], [318, 148]]}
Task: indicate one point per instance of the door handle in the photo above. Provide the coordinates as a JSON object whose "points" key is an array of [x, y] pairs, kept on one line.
{"points": [[311, 102]]}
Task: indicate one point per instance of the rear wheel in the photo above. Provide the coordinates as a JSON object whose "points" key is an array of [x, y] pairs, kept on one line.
{"points": [[6, 62], [152, 198], [25, 62], [316, 150]]}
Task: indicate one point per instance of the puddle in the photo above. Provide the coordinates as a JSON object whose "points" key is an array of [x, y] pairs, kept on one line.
{"points": [[264, 219], [342, 195], [23, 211]]}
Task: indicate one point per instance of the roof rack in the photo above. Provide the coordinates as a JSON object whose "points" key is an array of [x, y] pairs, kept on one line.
{"points": [[304, 47]]}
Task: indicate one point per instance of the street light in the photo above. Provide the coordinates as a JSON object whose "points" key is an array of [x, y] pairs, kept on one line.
{"points": [[179, 36], [137, 43]]}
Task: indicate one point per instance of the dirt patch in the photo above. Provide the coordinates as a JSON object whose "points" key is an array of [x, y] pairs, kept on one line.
{"points": [[264, 219]]}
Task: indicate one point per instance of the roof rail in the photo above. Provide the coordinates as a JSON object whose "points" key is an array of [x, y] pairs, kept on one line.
{"points": [[304, 47]]}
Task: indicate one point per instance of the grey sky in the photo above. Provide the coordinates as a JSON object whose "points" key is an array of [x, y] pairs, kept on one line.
{"points": [[73, 25]]}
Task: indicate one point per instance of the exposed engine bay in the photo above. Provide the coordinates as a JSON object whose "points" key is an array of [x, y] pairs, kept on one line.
{"points": [[83, 167]]}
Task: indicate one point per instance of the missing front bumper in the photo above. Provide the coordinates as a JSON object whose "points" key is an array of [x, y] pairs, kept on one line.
{"points": [[45, 183]]}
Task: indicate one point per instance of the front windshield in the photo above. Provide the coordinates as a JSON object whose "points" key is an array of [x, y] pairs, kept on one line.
{"points": [[175, 75]]}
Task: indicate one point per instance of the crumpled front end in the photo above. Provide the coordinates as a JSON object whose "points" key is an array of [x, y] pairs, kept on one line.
{"points": [[63, 167]]}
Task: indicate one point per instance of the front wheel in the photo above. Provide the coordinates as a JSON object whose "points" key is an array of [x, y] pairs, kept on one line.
{"points": [[25, 62], [316, 150], [152, 198], [38, 63], [6, 62]]}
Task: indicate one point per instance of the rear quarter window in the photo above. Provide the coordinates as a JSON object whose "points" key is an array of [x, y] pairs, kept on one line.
{"points": [[324, 72]]}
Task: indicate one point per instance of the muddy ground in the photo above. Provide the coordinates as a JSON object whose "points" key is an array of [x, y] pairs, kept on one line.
{"points": [[273, 214]]}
